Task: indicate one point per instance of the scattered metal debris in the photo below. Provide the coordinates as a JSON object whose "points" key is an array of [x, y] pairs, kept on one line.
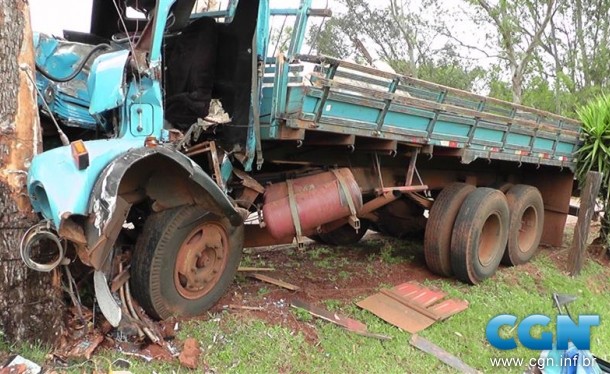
{"points": [[253, 270], [412, 307], [83, 348], [20, 365], [274, 281], [347, 323], [438, 352], [244, 307]]}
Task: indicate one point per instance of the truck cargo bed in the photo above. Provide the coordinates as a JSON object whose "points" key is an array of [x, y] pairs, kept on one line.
{"points": [[345, 98]]}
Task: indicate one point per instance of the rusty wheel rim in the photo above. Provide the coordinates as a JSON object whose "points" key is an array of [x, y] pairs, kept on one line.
{"points": [[488, 241], [201, 260], [527, 232]]}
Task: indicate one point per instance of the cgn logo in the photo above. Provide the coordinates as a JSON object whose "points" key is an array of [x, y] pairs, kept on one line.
{"points": [[567, 330]]}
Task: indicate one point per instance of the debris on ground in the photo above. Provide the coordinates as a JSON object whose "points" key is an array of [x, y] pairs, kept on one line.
{"points": [[245, 269], [82, 348], [244, 307], [438, 352], [20, 365], [189, 357], [274, 281], [411, 306], [347, 323]]}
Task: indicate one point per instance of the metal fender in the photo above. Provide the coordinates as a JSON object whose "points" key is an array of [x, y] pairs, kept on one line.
{"points": [[163, 176]]}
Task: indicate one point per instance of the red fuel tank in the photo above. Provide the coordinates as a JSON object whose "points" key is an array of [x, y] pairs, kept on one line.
{"points": [[318, 198]]}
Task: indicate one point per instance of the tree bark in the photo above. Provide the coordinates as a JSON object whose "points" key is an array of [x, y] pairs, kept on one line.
{"points": [[30, 302]]}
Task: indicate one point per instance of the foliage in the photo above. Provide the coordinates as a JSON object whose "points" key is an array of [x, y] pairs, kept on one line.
{"points": [[594, 155]]}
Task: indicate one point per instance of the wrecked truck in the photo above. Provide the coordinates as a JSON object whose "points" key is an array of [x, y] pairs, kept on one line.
{"points": [[193, 136]]}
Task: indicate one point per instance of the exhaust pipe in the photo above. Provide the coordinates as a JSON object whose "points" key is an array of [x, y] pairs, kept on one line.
{"points": [[40, 233]]}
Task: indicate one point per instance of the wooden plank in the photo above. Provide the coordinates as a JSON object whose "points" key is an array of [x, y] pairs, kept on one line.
{"points": [[438, 352], [274, 281], [581, 231]]}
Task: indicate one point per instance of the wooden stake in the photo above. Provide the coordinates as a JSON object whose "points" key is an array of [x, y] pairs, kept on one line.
{"points": [[585, 213]]}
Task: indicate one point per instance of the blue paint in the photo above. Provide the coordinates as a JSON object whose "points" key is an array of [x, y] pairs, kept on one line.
{"points": [[49, 191], [105, 82], [518, 139], [451, 128], [488, 135], [406, 121]]}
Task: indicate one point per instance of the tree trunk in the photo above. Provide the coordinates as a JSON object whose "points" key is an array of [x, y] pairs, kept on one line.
{"points": [[30, 302]]}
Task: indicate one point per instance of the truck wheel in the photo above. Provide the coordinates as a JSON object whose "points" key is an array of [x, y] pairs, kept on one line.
{"points": [[479, 235], [184, 261], [437, 239], [526, 224], [345, 235]]}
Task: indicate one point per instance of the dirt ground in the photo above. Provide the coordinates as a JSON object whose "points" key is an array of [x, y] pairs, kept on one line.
{"points": [[326, 273]]}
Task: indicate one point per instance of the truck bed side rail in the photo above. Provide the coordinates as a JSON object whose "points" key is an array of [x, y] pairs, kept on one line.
{"points": [[347, 98]]}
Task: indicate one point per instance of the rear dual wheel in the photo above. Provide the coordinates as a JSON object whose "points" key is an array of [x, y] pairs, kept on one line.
{"points": [[437, 239], [526, 224], [479, 235]]}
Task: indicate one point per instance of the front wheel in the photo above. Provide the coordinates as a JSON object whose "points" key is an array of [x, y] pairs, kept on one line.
{"points": [[184, 261]]}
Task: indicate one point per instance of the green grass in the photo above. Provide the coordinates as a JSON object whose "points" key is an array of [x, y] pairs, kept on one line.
{"points": [[237, 343]]}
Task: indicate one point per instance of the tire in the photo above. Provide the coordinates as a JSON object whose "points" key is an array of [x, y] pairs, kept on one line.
{"points": [[479, 235], [184, 261], [345, 235], [526, 224], [437, 239]]}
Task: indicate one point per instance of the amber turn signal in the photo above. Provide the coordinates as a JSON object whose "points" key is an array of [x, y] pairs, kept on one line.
{"points": [[80, 154]]}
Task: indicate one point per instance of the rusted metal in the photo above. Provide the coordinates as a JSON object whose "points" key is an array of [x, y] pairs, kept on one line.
{"points": [[447, 308], [318, 199], [256, 236], [420, 200], [378, 202], [420, 295], [403, 189], [411, 169], [396, 313], [411, 306], [352, 219], [99, 253], [216, 165], [119, 280], [246, 269], [556, 191], [201, 260], [336, 318], [438, 352], [317, 138], [274, 281]]}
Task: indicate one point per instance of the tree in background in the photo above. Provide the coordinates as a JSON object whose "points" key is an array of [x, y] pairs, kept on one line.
{"points": [[395, 32], [520, 26], [30, 304]]}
